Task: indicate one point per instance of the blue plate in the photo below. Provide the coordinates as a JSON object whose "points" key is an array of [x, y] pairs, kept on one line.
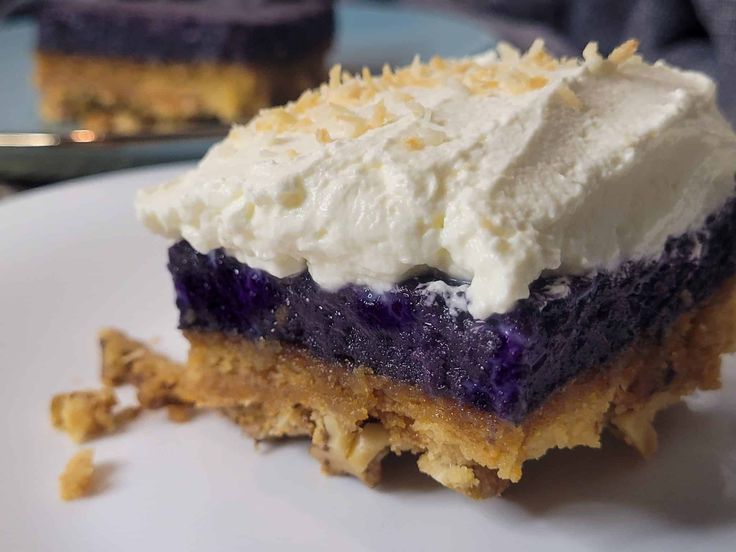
{"points": [[367, 35]]}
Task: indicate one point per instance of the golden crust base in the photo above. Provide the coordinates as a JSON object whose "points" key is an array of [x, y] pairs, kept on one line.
{"points": [[355, 417], [107, 94]]}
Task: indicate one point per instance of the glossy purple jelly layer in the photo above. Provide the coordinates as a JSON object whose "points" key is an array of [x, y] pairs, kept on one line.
{"points": [[187, 30], [507, 364]]}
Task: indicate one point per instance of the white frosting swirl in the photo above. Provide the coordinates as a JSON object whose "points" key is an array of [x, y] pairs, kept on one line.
{"points": [[493, 170]]}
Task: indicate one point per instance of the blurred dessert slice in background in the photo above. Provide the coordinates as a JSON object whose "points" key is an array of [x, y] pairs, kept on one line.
{"points": [[129, 65]]}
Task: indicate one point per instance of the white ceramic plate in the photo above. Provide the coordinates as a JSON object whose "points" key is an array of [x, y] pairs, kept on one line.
{"points": [[74, 259]]}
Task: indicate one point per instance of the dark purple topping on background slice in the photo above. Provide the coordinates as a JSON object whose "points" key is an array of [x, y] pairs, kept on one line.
{"points": [[507, 364], [187, 30]]}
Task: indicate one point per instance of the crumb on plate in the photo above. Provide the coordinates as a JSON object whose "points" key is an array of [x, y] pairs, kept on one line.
{"points": [[126, 361], [76, 479], [179, 413], [87, 414]]}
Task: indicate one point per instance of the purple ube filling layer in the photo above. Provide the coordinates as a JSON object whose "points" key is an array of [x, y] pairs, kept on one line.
{"points": [[186, 30], [507, 364]]}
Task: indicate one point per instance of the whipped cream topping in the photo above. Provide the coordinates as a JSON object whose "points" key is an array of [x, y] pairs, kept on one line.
{"points": [[453, 296], [492, 169]]}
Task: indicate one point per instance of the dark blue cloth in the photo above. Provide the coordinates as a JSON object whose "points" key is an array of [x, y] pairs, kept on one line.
{"points": [[695, 34]]}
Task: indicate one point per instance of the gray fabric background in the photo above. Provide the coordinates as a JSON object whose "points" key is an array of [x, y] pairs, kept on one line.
{"points": [[697, 34]]}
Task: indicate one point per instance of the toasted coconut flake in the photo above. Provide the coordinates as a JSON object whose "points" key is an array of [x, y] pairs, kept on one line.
{"points": [[335, 76], [403, 96], [480, 88], [304, 124], [276, 119], [537, 47], [380, 115], [437, 63], [306, 101], [590, 52], [624, 52], [593, 58], [569, 97], [343, 98], [538, 82], [263, 125], [323, 136], [435, 137], [538, 56], [414, 143], [387, 73], [516, 82], [508, 53], [417, 109], [359, 124]]}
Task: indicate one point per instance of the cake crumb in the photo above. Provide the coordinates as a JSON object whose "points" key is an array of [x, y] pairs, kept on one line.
{"points": [[179, 413], [76, 479], [87, 414], [126, 361]]}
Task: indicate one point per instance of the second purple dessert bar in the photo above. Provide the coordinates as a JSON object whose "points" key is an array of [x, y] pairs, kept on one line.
{"points": [[124, 65]]}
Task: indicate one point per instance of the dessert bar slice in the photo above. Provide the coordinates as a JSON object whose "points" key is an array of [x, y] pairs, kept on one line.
{"points": [[471, 260], [124, 65]]}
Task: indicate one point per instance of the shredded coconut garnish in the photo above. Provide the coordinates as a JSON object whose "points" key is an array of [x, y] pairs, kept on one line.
{"points": [[624, 52], [569, 97], [323, 136], [510, 73], [414, 143]]}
